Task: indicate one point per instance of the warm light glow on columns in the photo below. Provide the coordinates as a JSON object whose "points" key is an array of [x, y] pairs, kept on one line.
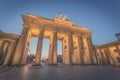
{"points": [[39, 47], [77, 46], [2, 43], [86, 53], [5, 50], [25, 55], [67, 47], [113, 55], [82, 51], [70, 47], [64, 51], [104, 56], [79, 54], [118, 50], [21, 46], [9, 53], [109, 56], [98, 54], [92, 54], [52, 59]]}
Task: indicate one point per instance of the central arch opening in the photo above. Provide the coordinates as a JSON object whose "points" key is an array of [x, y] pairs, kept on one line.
{"points": [[46, 46], [59, 51], [45, 51], [32, 50]]}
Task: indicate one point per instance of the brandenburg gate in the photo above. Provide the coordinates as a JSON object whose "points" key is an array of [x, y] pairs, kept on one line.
{"points": [[76, 40]]}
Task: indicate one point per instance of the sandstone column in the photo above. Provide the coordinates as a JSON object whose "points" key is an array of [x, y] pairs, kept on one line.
{"points": [[39, 47], [25, 55], [86, 53], [52, 59], [92, 54], [81, 50], [102, 57], [70, 47], [108, 56], [4, 53], [2, 43], [118, 50], [9, 53], [21, 46], [77, 49], [67, 48], [13, 52]]}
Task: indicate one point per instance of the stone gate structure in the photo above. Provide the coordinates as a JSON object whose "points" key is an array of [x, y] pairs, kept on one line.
{"points": [[77, 47], [76, 40]]}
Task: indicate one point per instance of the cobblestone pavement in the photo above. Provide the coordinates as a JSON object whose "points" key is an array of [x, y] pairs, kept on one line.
{"points": [[83, 72], [5, 68]]}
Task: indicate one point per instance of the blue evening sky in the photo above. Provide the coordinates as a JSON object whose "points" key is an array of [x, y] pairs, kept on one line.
{"points": [[101, 16]]}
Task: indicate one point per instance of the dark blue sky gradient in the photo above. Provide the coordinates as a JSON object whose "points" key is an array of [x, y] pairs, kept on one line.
{"points": [[101, 16]]}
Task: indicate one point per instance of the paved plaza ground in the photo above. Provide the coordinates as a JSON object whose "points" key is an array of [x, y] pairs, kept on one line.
{"points": [[83, 72]]}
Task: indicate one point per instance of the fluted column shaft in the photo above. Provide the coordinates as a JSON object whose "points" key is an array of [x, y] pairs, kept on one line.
{"points": [[82, 50], [108, 56], [70, 47], [9, 53], [4, 53], [39, 47], [118, 50], [92, 54], [67, 47], [18, 57], [78, 56], [1, 48]]}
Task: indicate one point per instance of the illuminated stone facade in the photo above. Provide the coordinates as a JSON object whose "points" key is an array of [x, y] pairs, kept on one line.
{"points": [[8, 43], [108, 54], [76, 40], [77, 47]]}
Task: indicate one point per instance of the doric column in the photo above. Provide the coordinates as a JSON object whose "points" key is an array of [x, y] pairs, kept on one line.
{"points": [[39, 47], [21, 46], [9, 53], [87, 52], [52, 58], [102, 57], [108, 56], [118, 50], [2, 43], [65, 54], [79, 50], [82, 51], [4, 53], [93, 59], [13, 51], [70, 47], [98, 55], [25, 55]]}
